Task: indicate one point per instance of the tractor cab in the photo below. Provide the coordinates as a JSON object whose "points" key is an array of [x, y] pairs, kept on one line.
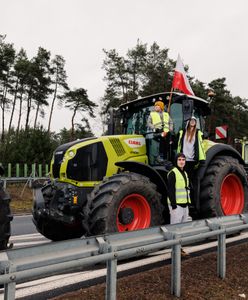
{"points": [[132, 118]]}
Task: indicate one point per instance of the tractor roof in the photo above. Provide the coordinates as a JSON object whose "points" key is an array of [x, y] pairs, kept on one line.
{"points": [[176, 98]]}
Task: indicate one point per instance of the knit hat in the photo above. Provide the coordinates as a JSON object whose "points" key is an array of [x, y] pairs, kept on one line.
{"points": [[191, 118], [160, 104]]}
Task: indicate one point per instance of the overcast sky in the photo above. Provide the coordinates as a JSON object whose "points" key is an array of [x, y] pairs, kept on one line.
{"points": [[211, 37]]}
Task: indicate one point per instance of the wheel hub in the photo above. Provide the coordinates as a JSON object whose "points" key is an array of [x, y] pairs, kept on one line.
{"points": [[126, 215]]}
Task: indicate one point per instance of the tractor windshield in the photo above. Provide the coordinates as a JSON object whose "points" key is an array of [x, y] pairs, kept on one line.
{"points": [[132, 118], [136, 122]]}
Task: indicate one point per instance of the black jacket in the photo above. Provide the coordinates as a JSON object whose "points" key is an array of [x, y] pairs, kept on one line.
{"points": [[172, 188], [196, 144]]}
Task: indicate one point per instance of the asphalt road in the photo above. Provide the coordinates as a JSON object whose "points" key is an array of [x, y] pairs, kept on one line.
{"points": [[22, 225]]}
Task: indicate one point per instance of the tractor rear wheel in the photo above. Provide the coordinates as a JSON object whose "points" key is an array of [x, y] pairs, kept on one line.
{"points": [[124, 202], [5, 219], [224, 189]]}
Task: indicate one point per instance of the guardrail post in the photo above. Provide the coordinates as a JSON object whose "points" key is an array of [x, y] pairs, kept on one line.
{"points": [[17, 170], [33, 170], [176, 270], [10, 288], [46, 169], [111, 277], [9, 169], [25, 170], [221, 256], [40, 170]]}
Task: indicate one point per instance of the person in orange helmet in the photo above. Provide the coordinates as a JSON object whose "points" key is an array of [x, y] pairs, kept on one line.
{"points": [[160, 122]]}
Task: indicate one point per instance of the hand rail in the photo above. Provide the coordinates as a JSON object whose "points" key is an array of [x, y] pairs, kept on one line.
{"points": [[29, 180]]}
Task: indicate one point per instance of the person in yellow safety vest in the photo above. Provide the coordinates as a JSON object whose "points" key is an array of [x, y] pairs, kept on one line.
{"points": [[190, 144], [160, 122], [178, 193]]}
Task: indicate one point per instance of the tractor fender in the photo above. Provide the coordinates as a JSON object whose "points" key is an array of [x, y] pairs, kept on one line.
{"points": [[218, 150], [148, 171]]}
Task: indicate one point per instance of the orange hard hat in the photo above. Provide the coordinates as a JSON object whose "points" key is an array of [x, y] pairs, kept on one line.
{"points": [[160, 104]]}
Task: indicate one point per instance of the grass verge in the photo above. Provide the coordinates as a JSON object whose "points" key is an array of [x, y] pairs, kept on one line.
{"points": [[21, 198]]}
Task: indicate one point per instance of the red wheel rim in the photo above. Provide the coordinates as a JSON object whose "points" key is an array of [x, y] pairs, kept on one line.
{"points": [[232, 195], [141, 211]]}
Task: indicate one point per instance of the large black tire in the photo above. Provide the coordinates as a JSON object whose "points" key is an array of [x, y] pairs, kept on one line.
{"points": [[113, 204], [5, 219], [58, 231], [224, 189]]}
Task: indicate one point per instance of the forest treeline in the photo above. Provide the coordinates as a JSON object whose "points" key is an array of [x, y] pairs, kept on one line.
{"points": [[37, 85]]}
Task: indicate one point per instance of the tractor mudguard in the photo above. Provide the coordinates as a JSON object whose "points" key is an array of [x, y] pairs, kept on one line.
{"points": [[147, 171], [218, 149]]}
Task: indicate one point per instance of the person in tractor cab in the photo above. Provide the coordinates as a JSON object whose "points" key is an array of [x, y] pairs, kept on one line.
{"points": [[178, 193], [160, 122]]}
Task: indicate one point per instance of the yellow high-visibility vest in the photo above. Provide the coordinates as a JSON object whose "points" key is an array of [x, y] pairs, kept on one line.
{"points": [[182, 192], [157, 122]]}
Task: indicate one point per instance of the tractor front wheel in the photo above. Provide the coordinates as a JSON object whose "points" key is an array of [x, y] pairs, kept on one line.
{"points": [[224, 189], [124, 202], [58, 231]]}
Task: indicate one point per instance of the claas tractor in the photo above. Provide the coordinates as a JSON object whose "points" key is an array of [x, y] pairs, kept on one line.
{"points": [[114, 183]]}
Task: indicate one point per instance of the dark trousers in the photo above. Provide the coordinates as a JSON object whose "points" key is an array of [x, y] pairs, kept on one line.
{"points": [[190, 170], [165, 147]]}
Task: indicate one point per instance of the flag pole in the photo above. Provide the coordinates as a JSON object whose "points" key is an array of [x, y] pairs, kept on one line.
{"points": [[168, 110]]}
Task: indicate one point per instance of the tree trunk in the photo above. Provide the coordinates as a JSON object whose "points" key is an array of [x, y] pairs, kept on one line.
{"points": [[29, 100], [52, 107], [28, 113], [20, 115], [36, 114], [13, 107], [3, 112], [72, 124]]}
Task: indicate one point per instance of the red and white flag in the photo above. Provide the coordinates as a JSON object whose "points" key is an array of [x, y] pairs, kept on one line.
{"points": [[180, 80]]}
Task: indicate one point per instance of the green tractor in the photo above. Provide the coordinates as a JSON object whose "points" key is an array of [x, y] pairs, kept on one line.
{"points": [[114, 183], [242, 146], [5, 215]]}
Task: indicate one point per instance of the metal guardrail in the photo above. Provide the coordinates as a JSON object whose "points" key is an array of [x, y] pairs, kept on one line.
{"points": [[27, 180], [25, 264]]}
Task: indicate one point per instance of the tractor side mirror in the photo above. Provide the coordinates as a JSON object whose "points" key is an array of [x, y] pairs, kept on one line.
{"points": [[187, 107]]}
